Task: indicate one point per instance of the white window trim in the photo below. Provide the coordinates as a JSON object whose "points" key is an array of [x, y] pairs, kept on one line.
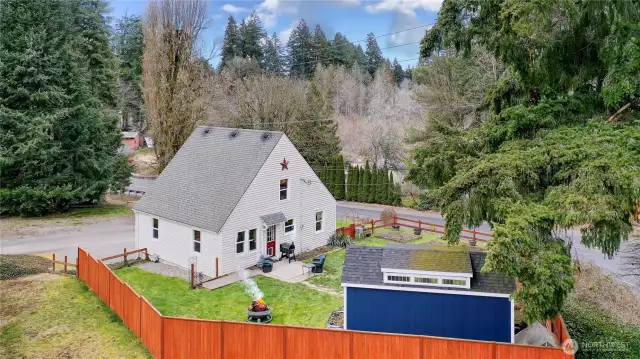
{"points": [[427, 273], [154, 239], [315, 222], [193, 241], [249, 250], [288, 190], [245, 245], [426, 290], [284, 227], [439, 279]]}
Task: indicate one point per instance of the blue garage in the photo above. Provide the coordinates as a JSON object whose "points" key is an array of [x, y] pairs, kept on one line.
{"points": [[426, 290]]}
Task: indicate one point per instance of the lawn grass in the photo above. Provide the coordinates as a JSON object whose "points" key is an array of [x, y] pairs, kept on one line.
{"points": [[20, 265], [291, 303], [51, 316], [332, 272]]}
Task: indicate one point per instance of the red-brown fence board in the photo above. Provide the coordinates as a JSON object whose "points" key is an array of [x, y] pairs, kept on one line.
{"points": [[441, 348], [313, 343], [192, 338], [252, 341], [131, 309], [103, 282], [151, 328], [168, 337], [384, 346], [513, 351], [115, 294]]}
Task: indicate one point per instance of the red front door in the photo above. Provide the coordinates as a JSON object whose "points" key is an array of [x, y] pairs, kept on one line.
{"points": [[271, 240]]}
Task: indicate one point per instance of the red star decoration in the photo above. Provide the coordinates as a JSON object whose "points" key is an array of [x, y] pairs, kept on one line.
{"points": [[285, 164]]}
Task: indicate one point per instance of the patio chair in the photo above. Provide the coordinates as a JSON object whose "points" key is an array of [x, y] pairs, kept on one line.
{"points": [[265, 263], [318, 264]]}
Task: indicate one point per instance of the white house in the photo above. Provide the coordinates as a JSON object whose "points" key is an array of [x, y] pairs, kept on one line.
{"points": [[231, 195]]}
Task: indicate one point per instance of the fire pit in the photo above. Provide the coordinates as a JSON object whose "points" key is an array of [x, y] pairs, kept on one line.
{"points": [[259, 312]]}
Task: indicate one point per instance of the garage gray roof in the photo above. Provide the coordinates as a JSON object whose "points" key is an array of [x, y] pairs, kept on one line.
{"points": [[362, 265], [208, 175]]}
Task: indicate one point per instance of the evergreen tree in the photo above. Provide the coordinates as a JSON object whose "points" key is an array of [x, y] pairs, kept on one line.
{"points": [[361, 185], [373, 188], [129, 47], [373, 54], [366, 182], [231, 46], [330, 165], [339, 50], [408, 73], [300, 46], [398, 72], [393, 196], [252, 36], [354, 187], [60, 136], [381, 190], [358, 57], [340, 178], [273, 61], [321, 53]]}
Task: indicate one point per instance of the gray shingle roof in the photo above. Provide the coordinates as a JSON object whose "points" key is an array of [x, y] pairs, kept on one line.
{"points": [[414, 257], [273, 218], [208, 175], [362, 265]]}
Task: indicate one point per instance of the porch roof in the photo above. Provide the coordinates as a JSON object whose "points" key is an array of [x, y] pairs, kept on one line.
{"points": [[273, 218]]}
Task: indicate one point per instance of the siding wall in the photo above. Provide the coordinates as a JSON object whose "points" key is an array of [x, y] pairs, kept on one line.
{"points": [[175, 243], [263, 197], [433, 314]]}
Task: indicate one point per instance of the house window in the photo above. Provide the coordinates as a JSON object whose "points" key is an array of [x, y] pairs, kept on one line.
{"points": [[196, 241], [284, 189], [458, 282], [252, 239], [240, 242], [155, 228], [425, 280], [288, 226], [318, 221], [397, 278]]}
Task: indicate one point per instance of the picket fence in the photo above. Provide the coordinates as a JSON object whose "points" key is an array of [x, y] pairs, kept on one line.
{"points": [[169, 337]]}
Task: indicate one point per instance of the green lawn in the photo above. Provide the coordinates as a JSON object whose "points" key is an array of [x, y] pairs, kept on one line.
{"points": [[294, 304], [51, 316]]}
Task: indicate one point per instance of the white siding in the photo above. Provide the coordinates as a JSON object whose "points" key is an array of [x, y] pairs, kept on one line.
{"points": [[263, 197], [175, 243]]}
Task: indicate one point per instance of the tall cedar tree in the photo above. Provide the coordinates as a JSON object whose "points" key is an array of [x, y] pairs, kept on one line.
{"points": [[349, 186], [60, 136], [381, 191], [366, 182], [321, 52], [129, 47], [341, 178], [373, 191], [231, 46], [273, 60], [331, 183], [354, 188], [373, 54], [300, 46], [537, 166], [361, 186], [252, 37]]}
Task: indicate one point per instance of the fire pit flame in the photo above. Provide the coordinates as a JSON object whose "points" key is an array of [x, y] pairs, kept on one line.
{"points": [[259, 312]]}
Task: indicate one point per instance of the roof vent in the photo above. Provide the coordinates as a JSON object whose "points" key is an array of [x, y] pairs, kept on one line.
{"points": [[266, 136], [234, 133]]}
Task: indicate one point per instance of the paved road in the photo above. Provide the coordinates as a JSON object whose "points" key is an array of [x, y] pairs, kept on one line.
{"points": [[101, 239], [109, 237]]}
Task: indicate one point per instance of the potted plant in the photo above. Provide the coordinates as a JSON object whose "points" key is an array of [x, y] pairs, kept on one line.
{"points": [[472, 242], [417, 231]]}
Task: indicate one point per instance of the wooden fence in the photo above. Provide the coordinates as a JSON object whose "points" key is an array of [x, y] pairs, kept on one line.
{"points": [[169, 337], [372, 225]]}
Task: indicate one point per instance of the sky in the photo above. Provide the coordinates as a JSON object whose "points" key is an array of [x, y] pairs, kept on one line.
{"points": [[353, 18]]}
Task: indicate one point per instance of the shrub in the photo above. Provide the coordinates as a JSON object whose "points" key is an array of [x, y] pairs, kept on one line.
{"points": [[339, 240], [29, 202], [588, 324]]}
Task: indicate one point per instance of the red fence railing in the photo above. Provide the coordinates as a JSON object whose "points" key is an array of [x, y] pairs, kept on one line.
{"points": [[169, 337]]}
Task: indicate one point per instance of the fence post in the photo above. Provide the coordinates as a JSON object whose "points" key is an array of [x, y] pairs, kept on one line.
{"points": [[65, 264], [53, 262], [372, 227], [192, 276], [146, 254], [419, 224], [77, 267], [125, 255], [474, 234], [216, 267]]}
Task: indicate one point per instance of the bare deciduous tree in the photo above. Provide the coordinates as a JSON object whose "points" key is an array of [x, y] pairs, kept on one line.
{"points": [[176, 85]]}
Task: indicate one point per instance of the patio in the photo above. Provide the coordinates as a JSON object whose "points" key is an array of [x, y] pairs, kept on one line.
{"points": [[291, 272]]}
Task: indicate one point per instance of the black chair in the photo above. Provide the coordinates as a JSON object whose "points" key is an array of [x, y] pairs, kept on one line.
{"points": [[318, 264], [288, 250]]}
